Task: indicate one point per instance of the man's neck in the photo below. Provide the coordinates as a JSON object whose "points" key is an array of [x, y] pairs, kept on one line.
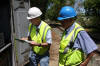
{"points": [[38, 24]]}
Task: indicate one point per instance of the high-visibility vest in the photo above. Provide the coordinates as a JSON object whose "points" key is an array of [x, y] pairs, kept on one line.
{"points": [[39, 37], [67, 59]]}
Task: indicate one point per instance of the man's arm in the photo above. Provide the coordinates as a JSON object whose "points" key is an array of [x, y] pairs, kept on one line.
{"points": [[88, 46], [39, 44], [48, 40], [35, 43], [89, 56]]}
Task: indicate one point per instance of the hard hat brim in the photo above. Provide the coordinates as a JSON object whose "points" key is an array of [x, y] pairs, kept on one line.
{"points": [[62, 18], [59, 18], [29, 18], [32, 17]]}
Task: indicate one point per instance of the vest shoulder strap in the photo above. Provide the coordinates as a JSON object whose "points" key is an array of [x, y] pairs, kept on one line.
{"points": [[78, 28], [46, 27]]}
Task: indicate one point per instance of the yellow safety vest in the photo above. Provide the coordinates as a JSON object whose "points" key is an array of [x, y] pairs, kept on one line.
{"points": [[40, 37], [72, 57]]}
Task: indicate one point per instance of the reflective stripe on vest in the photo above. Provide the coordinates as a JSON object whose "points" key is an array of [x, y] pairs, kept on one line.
{"points": [[39, 38], [65, 42]]}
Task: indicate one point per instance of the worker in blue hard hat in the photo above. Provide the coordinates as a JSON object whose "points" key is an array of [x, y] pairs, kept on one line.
{"points": [[75, 41]]}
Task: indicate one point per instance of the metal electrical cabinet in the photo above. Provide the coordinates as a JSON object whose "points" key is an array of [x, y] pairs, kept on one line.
{"points": [[13, 24], [20, 29]]}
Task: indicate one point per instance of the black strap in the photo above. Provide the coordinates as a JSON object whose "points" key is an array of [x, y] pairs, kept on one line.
{"points": [[29, 37]]}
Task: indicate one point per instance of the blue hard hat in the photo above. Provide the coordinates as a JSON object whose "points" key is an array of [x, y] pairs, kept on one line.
{"points": [[66, 12]]}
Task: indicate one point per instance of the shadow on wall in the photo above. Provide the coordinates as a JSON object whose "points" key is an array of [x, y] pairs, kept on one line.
{"points": [[5, 27]]}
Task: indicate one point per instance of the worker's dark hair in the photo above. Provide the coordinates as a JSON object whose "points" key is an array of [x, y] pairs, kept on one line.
{"points": [[74, 18]]}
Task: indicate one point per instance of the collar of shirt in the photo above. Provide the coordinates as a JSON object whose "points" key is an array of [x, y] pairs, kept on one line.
{"points": [[39, 25], [70, 29]]}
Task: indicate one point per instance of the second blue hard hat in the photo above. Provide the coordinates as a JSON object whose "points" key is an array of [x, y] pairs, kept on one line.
{"points": [[66, 12]]}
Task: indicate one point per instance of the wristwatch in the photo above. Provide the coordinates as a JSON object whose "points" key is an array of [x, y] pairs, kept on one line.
{"points": [[39, 44]]}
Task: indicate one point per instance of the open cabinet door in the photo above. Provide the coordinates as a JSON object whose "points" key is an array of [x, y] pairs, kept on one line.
{"points": [[19, 29]]}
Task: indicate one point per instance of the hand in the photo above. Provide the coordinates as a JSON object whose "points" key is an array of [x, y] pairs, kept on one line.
{"points": [[33, 42], [24, 38]]}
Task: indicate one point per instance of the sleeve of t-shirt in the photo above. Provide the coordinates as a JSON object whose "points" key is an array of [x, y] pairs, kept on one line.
{"points": [[85, 42], [49, 37]]}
